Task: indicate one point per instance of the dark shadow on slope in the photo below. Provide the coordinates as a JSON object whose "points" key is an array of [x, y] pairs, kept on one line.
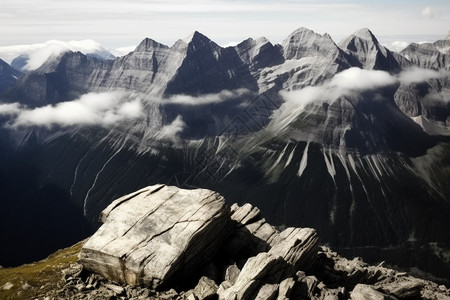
{"points": [[35, 219]]}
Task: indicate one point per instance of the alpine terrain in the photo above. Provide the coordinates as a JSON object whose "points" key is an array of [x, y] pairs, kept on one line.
{"points": [[351, 139]]}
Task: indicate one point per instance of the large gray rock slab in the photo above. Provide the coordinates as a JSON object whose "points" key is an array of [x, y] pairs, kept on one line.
{"points": [[157, 235]]}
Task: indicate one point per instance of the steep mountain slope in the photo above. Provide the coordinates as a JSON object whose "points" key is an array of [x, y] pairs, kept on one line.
{"points": [[59, 79], [316, 134], [8, 76], [429, 55], [364, 47], [309, 59]]}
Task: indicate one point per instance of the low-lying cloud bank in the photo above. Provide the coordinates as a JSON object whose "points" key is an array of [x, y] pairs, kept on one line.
{"points": [[358, 80], [103, 109], [417, 75], [110, 108], [346, 83], [204, 99]]}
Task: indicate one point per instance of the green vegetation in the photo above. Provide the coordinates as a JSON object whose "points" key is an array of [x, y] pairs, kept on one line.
{"points": [[32, 280]]}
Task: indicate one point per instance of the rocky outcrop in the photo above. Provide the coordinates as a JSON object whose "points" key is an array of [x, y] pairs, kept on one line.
{"points": [[330, 278], [157, 235], [164, 242], [429, 55], [366, 292], [259, 53], [162, 235], [306, 43]]}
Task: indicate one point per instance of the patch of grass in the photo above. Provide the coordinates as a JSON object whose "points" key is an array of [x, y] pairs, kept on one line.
{"points": [[35, 279]]}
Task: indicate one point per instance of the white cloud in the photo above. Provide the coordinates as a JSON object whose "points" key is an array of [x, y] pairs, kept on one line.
{"points": [[347, 82], [41, 52], [123, 50], [170, 132], [9, 109], [104, 109], [41, 55], [428, 12], [230, 44], [205, 98], [344, 83], [356, 79], [441, 96], [397, 46], [120, 23], [417, 75]]}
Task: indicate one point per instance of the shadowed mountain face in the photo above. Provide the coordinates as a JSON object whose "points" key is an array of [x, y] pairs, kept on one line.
{"points": [[8, 76], [348, 138]]}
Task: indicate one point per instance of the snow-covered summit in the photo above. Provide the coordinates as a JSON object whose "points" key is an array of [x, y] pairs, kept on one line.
{"points": [[31, 57]]}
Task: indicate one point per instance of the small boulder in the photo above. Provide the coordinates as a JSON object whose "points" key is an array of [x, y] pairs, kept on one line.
{"points": [[206, 289], [367, 292]]}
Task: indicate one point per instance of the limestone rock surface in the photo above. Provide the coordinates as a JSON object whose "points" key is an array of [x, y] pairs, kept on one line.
{"points": [[157, 234]]}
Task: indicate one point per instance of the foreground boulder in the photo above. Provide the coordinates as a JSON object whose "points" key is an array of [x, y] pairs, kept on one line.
{"points": [[167, 243], [164, 235], [157, 235]]}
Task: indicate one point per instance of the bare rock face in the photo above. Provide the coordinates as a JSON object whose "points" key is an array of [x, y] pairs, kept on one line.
{"points": [[370, 54], [429, 55], [8, 76], [157, 234], [268, 274], [167, 240], [163, 235]]}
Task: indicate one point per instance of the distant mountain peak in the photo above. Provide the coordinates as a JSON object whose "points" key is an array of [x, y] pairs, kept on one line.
{"points": [[252, 42], [148, 44], [366, 34], [196, 37], [301, 30], [305, 42]]}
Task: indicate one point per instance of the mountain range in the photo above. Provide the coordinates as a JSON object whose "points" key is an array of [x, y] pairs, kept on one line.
{"points": [[349, 138]]}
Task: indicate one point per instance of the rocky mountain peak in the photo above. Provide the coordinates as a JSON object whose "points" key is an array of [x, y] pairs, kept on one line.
{"points": [[366, 34], [197, 39], [148, 45], [429, 55], [368, 53], [259, 53], [305, 42]]}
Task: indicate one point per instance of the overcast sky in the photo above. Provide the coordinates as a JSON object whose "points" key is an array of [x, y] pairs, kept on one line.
{"points": [[119, 23]]}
